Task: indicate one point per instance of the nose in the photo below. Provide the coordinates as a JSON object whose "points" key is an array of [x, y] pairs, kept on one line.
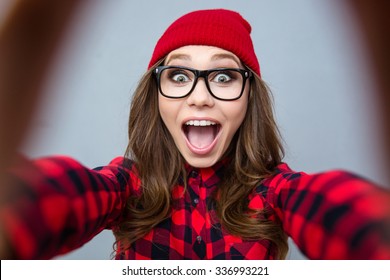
{"points": [[200, 96]]}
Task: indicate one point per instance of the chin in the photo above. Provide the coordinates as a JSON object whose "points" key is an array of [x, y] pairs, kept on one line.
{"points": [[201, 162]]}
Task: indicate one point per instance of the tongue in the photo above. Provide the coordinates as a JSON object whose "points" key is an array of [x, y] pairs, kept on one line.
{"points": [[200, 136]]}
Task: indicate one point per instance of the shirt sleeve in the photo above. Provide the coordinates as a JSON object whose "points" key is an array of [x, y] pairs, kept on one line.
{"points": [[54, 205], [331, 215]]}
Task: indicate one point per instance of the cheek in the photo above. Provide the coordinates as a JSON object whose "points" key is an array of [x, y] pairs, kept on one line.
{"points": [[162, 109], [236, 114], [168, 112]]}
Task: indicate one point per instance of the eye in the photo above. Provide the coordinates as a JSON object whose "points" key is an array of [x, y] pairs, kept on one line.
{"points": [[222, 77], [179, 76]]}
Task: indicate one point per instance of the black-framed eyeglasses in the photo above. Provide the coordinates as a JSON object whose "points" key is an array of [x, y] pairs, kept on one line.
{"points": [[223, 83]]}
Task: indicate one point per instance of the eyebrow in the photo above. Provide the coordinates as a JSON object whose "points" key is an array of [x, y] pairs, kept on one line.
{"points": [[215, 57], [220, 56], [178, 56]]}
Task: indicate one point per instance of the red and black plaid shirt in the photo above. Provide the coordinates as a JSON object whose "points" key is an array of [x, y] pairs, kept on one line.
{"points": [[57, 205]]}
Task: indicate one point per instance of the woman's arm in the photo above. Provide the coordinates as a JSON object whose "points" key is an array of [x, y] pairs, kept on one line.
{"points": [[30, 34], [56, 205], [332, 215]]}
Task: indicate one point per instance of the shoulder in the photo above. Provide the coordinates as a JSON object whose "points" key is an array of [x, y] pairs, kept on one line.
{"points": [[281, 176], [264, 192], [118, 162], [122, 169]]}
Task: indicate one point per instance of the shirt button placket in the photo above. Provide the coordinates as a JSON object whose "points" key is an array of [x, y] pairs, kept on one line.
{"points": [[199, 248], [194, 182]]}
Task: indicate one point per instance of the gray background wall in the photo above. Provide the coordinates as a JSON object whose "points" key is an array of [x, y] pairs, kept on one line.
{"points": [[309, 53]]}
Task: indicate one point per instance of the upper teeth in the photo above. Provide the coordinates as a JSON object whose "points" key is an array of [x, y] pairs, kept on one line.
{"points": [[200, 123]]}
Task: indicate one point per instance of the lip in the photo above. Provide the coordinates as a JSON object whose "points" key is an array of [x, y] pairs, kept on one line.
{"points": [[208, 149], [199, 119]]}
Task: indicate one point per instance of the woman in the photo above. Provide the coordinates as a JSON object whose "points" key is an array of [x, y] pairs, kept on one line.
{"points": [[203, 176]]}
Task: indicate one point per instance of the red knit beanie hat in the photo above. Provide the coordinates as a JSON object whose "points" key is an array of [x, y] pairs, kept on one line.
{"points": [[219, 28]]}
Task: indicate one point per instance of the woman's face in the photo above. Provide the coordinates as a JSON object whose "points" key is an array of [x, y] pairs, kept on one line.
{"points": [[201, 125]]}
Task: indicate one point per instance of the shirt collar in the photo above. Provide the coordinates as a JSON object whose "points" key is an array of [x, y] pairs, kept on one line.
{"points": [[209, 175]]}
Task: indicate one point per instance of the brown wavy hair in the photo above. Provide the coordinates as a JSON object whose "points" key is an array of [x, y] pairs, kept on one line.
{"points": [[256, 150]]}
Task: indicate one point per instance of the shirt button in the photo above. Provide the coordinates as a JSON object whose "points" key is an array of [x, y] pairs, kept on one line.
{"points": [[194, 174], [199, 238], [196, 201]]}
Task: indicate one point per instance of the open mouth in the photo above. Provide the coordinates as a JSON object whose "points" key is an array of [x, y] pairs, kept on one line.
{"points": [[201, 135]]}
